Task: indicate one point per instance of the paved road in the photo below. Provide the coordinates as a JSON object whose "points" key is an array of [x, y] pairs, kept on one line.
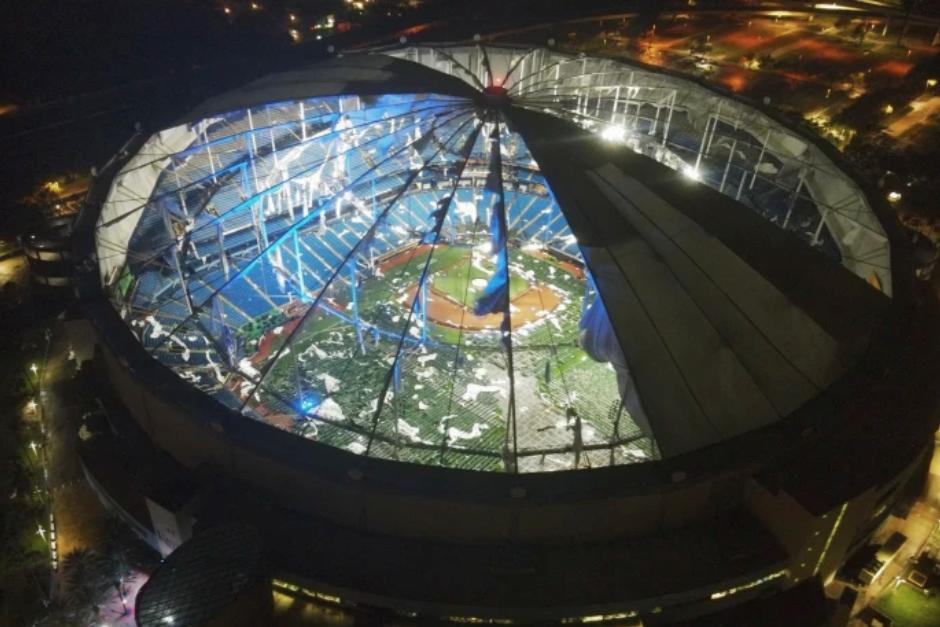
{"points": [[80, 518], [922, 110]]}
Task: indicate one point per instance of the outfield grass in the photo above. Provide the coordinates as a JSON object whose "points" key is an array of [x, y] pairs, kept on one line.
{"points": [[551, 372], [909, 607], [455, 273]]}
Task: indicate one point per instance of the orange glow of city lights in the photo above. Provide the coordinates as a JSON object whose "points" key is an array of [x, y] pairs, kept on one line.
{"points": [[747, 41], [734, 81], [822, 50], [894, 68]]}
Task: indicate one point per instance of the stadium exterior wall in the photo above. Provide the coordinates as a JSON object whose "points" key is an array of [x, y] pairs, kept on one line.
{"points": [[396, 498], [346, 500], [760, 471]]}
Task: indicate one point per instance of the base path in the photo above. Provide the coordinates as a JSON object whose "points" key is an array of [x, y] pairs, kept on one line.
{"points": [[445, 311]]}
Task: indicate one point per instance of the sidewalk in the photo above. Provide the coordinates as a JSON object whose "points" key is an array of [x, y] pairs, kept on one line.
{"points": [[80, 518]]}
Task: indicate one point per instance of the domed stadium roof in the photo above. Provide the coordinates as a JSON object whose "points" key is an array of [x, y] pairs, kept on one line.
{"points": [[494, 259]]}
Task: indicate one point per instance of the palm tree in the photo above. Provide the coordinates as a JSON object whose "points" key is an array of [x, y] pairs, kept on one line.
{"points": [[87, 574], [127, 550]]}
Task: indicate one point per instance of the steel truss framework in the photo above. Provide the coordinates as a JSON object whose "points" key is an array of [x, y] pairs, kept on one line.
{"points": [[724, 143], [392, 275]]}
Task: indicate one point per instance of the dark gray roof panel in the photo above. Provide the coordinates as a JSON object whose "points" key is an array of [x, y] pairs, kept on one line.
{"points": [[717, 345], [355, 75]]}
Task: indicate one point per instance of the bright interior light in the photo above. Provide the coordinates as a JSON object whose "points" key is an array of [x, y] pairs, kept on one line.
{"points": [[894, 196], [614, 133], [692, 173]]}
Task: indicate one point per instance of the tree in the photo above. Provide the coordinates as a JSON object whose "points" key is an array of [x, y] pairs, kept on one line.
{"points": [[87, 574], [128, 551]]}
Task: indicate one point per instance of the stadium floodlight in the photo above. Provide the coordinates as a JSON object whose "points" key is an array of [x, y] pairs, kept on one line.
{"points": [[691, 172], [614, 134]]}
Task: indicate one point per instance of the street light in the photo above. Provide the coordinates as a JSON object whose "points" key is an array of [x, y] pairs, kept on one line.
{"points": [[34, 368]]}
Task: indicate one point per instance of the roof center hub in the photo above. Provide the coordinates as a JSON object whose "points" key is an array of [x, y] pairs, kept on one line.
{"points": [[496, 96]]}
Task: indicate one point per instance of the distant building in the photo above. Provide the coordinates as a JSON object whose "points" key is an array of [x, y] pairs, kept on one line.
{"points": [[48, 252]]}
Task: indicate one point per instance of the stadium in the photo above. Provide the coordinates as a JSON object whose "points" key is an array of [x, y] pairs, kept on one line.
{"points": [[537, 309]]}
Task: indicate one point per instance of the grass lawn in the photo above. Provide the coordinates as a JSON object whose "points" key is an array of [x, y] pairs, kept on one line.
{"points": [[908, 607], [452, 278]]}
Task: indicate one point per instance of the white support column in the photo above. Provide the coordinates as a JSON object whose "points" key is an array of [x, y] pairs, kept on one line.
{"points": [[305, 197], [701, 144], [205, 139], [220, 235], [672, 105], [626, 106], [724, 177], [734, 145], [271, 135], [300, 267], [794, 198], [179, 190], [257, 217], [741, 184], [760, 158], [303, 122], [175, 252], [521, 75], [716, 119], [253, 152], [613, 109], [822, 223]]}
